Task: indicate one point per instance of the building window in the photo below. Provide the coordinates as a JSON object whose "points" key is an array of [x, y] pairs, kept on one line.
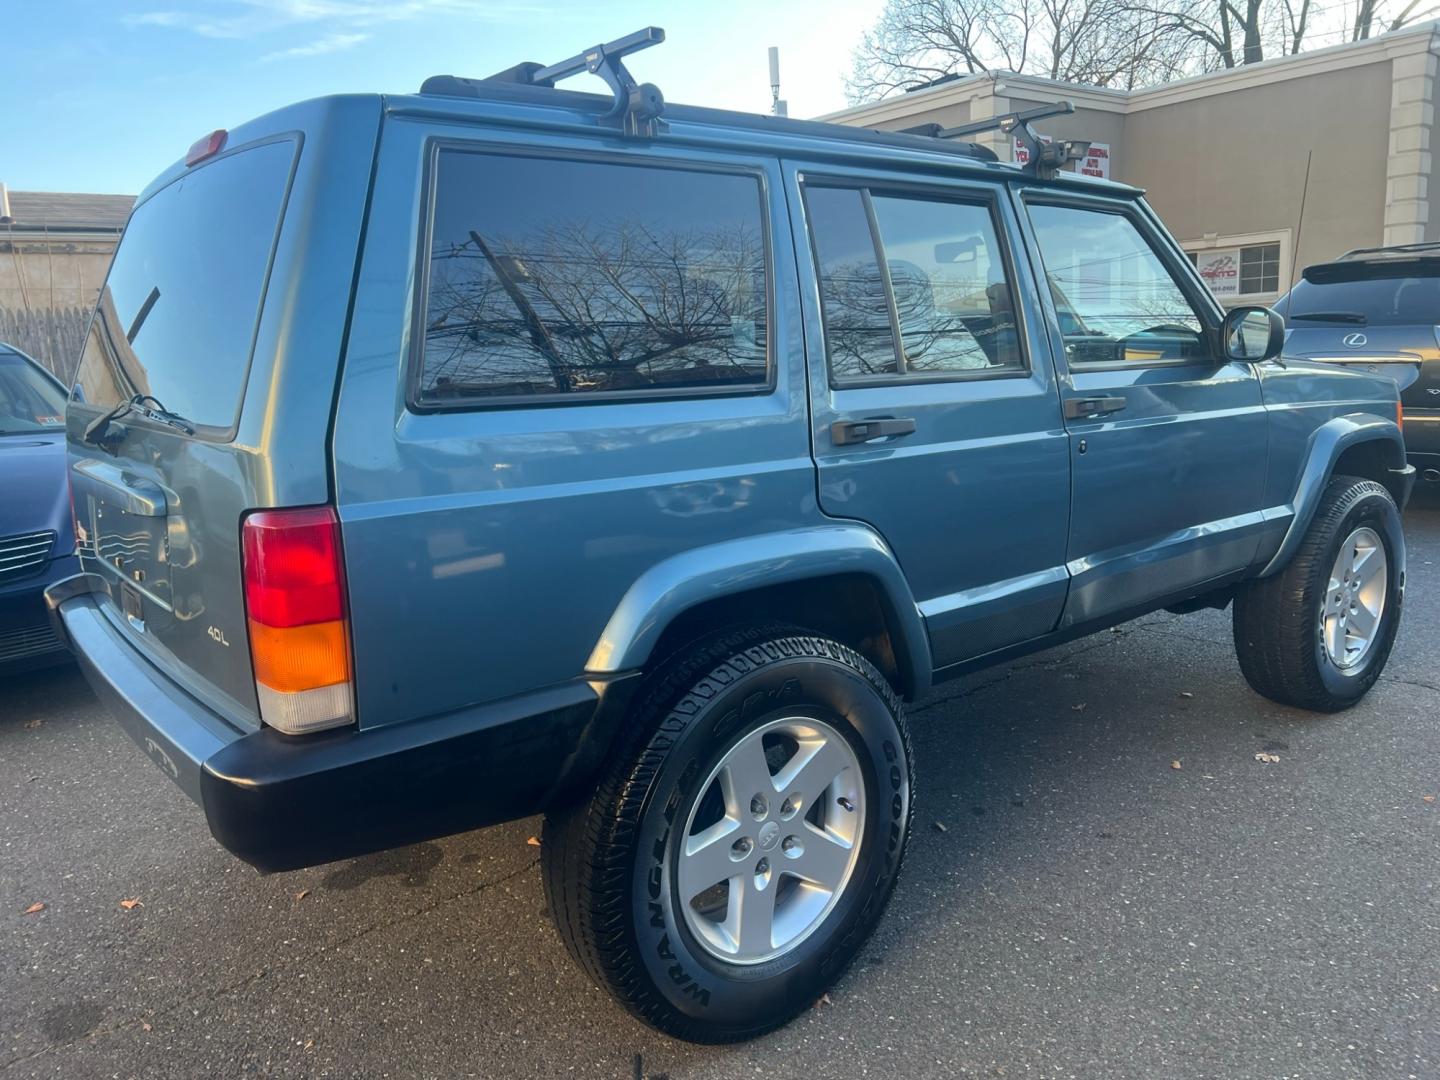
{"points": [[1239, 269], [1260, 269], [551, 278]]}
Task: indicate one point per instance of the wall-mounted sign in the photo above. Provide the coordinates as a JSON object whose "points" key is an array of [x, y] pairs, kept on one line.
{"points": [[1096, 161], [1220, 267]]}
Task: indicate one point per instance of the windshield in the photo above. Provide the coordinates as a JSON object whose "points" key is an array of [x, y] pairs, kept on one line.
{"points": [[177, 317], [29, 401], [1391, 301]]}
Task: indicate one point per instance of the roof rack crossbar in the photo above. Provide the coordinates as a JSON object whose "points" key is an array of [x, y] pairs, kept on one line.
{"points": [[1044, 159], [1392, 249], [638, 106]]}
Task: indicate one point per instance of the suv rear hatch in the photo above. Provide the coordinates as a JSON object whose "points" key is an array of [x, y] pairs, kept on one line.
{"points": [[214, 349], [159, 495], [1381, 313]]}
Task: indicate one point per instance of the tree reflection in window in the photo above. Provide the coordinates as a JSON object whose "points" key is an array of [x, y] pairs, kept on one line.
{"points": [[952, 304], [556, 277]]}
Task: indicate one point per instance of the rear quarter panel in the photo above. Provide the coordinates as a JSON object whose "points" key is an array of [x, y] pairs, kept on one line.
{"points": [[487, 549]]}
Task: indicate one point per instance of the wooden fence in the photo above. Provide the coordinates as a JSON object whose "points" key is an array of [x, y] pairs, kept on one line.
{"points": [[52, 336]]}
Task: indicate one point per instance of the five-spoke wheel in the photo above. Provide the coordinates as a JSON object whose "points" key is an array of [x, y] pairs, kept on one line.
{"points": [[1355, 598], [772, 839]]}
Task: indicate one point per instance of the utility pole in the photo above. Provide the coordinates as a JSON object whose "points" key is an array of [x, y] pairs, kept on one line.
{"points": [[777, 107]]}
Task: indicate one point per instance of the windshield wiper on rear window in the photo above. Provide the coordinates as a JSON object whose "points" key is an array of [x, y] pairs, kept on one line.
{"points": [[97, 432], [1332, 316]]}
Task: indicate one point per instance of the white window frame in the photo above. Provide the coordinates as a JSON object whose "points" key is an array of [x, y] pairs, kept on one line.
{"points": [[1283, 237]]}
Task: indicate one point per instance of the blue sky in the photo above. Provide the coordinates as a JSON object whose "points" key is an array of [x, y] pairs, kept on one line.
{"points": [[102, 96]]}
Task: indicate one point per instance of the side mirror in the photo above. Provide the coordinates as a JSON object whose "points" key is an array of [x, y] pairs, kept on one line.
{"points": [[1252, 334]]}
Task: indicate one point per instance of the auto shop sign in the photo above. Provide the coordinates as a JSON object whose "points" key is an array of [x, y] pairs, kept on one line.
{"points": [[1096, 161], [1220, 267]]}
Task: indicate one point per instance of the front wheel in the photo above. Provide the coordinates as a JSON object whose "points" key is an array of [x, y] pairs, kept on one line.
{"points": [[1317, 634], [745, 840]]}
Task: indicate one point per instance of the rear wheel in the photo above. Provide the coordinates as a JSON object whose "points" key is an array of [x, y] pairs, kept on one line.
{"points": [[745, 840], [1317, 634]]}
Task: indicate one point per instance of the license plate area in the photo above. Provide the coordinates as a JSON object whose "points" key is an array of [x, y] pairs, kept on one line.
{"points": [[134, 549], [132, 606]]}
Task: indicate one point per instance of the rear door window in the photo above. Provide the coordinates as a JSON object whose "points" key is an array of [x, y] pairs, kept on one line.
{"points": [[587, 280], [926, 275], [177, 317]]}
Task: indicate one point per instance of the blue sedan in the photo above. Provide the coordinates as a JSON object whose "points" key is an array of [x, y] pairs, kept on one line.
{"points": [[37, 539]]}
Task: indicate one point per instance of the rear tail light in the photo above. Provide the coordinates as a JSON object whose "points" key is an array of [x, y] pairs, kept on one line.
{"points": [[295, 608]]}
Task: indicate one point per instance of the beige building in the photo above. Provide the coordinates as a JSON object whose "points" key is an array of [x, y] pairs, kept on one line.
{"points": [[54, 251], [1224, 157]]}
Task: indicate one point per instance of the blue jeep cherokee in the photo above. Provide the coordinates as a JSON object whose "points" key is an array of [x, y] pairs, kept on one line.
{"points": [[447, 458]]}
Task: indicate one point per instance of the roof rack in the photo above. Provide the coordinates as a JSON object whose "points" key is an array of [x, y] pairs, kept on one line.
{"points": [[1397, 250], [637, 107], [1044, 159]]}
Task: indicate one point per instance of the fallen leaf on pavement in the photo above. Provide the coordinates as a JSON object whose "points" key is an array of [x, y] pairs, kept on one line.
{"points": [[33, 724], [1427, 798], [34, 909], [938, 826], [1175, 764], [1269, 759], [823, 999], [145, 1026], [130, 905], [533, 841], [302, 894]]}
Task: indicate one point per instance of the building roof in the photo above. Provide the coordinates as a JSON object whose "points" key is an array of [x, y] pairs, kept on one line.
{"points": [[1420, 38], [69, 211]]}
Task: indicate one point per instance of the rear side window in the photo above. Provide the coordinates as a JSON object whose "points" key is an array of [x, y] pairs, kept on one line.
{"points": [[551, 278], [911, 287], [176, 319]]}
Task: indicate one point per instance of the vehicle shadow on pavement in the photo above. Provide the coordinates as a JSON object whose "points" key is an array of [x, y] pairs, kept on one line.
{"points": [[25, 695]]}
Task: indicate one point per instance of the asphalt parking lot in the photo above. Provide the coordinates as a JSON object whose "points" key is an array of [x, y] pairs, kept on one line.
{"points": [[1073, 906]]}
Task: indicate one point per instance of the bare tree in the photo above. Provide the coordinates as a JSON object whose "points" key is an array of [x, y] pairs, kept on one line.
{"points": [[579, 305], [1099, 42], [1119, 43], [1367, 12]]}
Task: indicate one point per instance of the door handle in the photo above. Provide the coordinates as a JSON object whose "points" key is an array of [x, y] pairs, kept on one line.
{"points": [[848, 432], [1082, 408]]}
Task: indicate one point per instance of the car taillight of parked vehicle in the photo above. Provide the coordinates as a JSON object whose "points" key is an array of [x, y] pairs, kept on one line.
{"points": [[299, 630]]}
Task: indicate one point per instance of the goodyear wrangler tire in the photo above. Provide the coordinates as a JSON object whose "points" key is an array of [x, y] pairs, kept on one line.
{"points": [[745, 839], [1317, 634]]}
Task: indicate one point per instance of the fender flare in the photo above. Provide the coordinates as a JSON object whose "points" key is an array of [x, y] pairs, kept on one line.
{"points": [[679, 583], [1327, 443]]}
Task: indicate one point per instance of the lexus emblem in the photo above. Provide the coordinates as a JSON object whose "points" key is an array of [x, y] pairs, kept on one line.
{"points": [[1356, 341]]}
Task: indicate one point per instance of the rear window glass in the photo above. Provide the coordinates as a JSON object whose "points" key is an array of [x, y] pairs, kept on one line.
{"points": [[1396, 301], [176, 319], [550, 278]]}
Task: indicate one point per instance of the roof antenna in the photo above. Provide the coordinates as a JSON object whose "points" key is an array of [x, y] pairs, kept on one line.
{"points": [[777, 107]]}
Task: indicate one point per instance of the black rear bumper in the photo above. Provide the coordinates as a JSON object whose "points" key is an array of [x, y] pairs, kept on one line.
{"points": [[281, 802]]}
